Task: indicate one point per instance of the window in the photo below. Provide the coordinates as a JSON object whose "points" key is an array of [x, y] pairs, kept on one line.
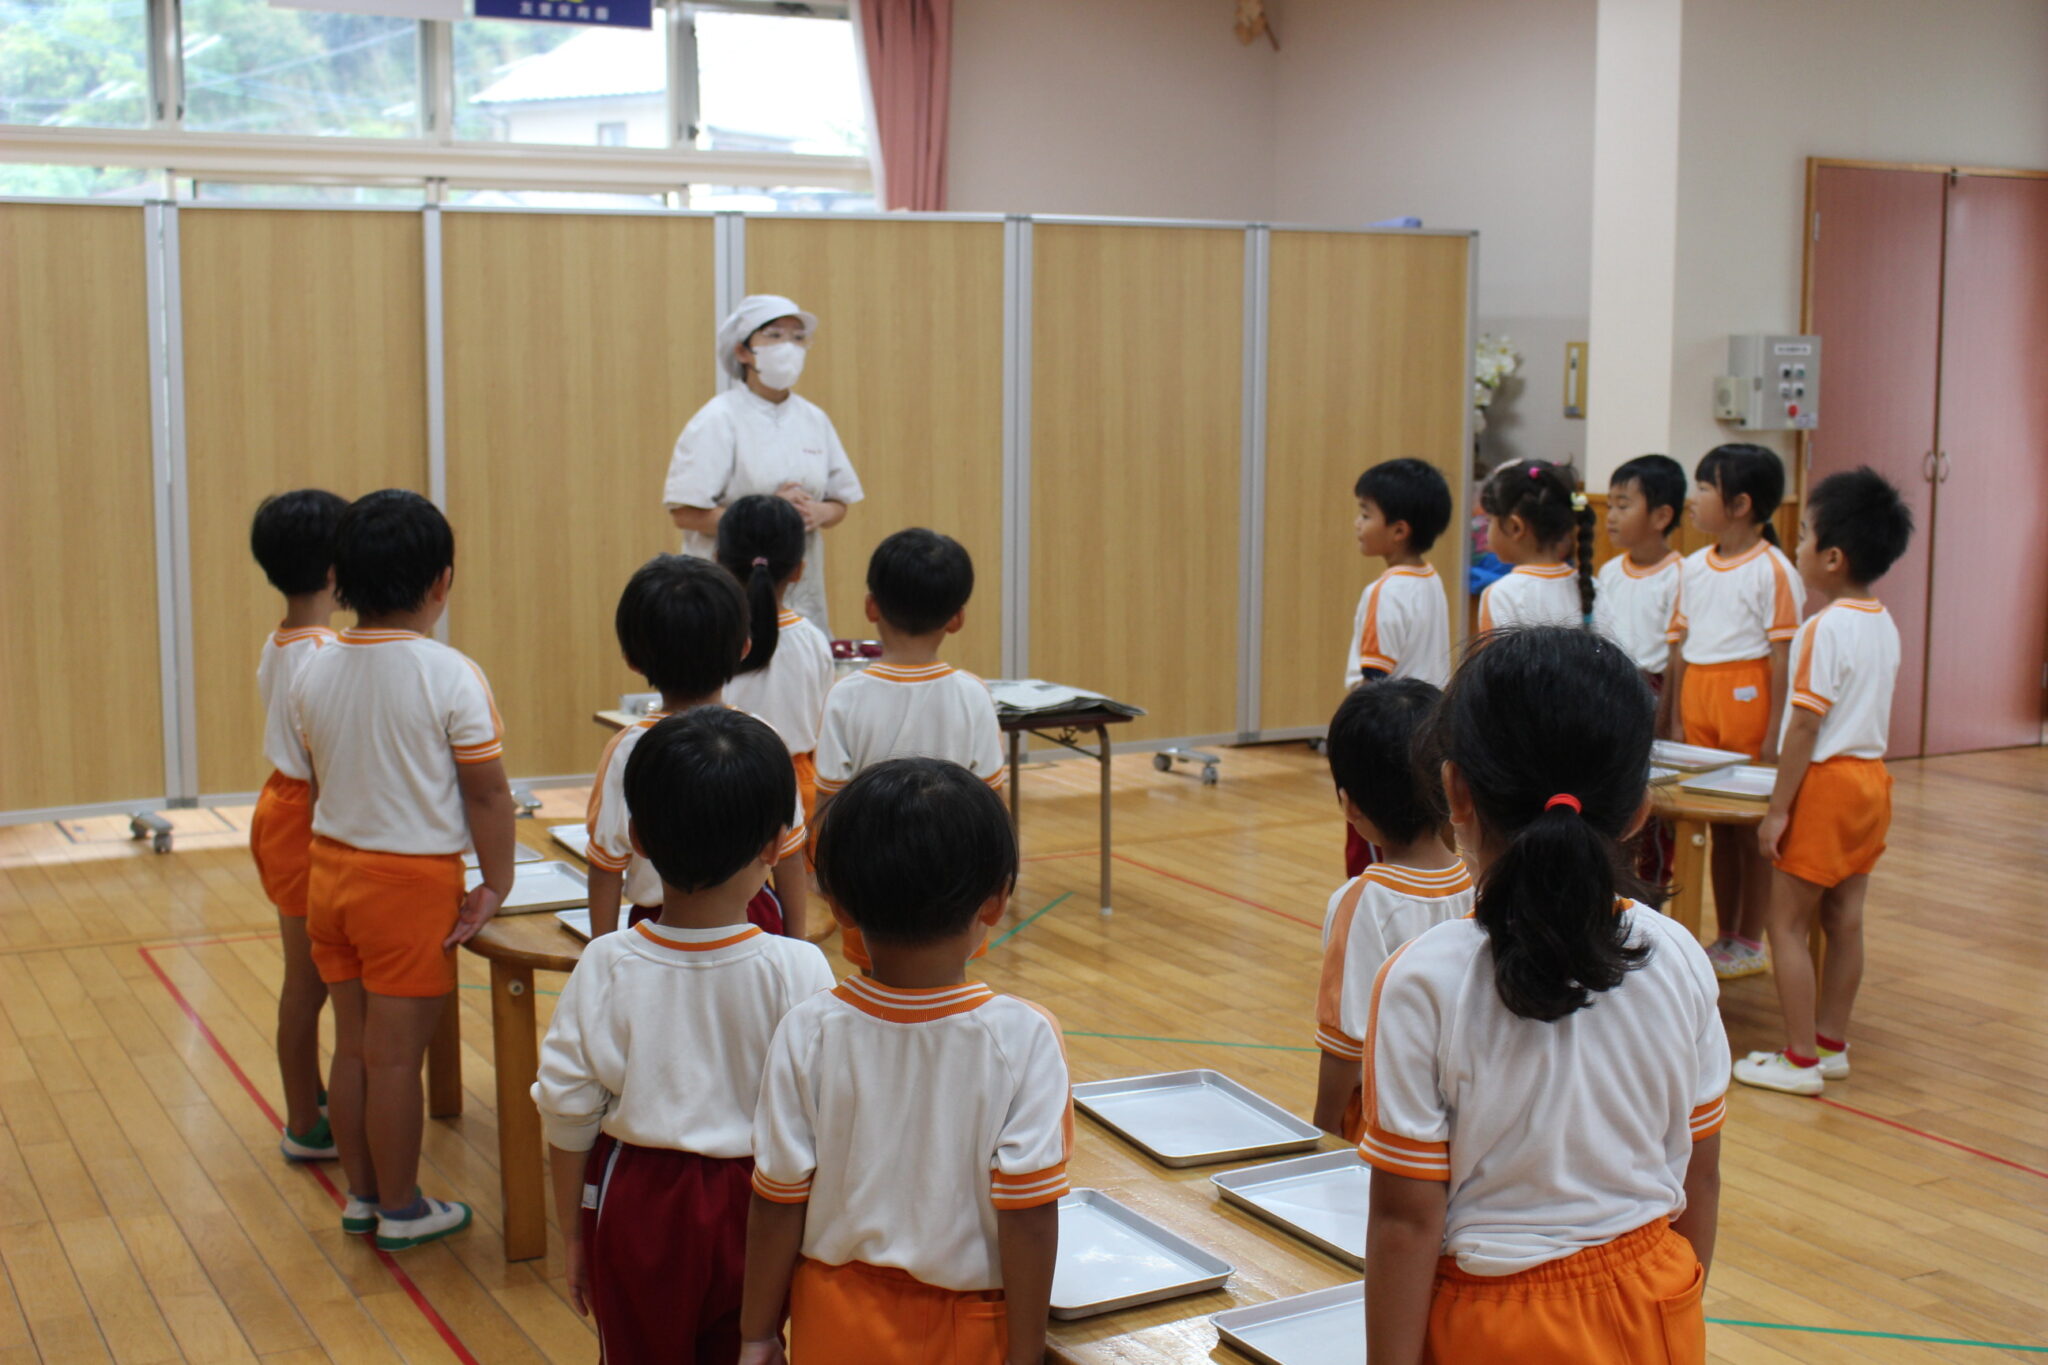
{"points": [[255, 192], [69, 63], [251, 68], [611, 134], [555, 199], [778, 83], [779, 199], [561, 83], [80, 182]]}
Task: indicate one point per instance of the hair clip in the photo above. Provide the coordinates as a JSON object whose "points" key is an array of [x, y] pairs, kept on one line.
{"points": [[1579, 503], [760, 561], [1535, 470]]}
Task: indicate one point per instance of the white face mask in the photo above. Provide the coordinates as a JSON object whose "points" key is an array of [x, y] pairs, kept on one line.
{"points": [[780, 364]]}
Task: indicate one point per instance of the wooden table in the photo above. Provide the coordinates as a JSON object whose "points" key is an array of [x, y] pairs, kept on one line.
{"points": [[1690, 813]]}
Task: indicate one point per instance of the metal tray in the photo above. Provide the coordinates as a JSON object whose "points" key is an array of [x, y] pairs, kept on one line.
{"points": [[520, 854], [1693, 758], [1326, 1327], [1743, 780], [1194, 1118], [1661, 776], [575, 838], [576, 922], [538, 886], [1320, 1199], [1113, 1257]]}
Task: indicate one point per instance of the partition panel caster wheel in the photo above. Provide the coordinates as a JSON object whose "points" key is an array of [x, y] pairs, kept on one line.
{"points": [[1162, 762]]}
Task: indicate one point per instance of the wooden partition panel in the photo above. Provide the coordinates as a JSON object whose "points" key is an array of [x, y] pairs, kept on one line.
{"points": [[909, 363], [305, 367], [1367, 345], [1137, 355], [578, 346], [77, 528]]}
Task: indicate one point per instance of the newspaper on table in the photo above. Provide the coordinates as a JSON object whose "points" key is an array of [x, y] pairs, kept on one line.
{"points": [[1036, 697]]}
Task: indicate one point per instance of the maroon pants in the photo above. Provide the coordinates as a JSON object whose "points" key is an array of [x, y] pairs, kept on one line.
{"points": [[764, 911], [1358, 854], [667, 1251]]}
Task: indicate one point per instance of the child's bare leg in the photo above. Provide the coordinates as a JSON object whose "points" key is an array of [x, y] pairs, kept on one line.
{"points": [[1725, 865], [1792, 906], [298, 1027], [1757, 877], [345, 1089], [396, 1031], [1841, 920]]}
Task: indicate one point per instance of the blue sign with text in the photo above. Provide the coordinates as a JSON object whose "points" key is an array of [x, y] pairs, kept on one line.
{"points": [[608, 13]]}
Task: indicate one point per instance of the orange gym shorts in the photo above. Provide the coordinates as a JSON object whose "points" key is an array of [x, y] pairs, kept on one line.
{"points": [[1727, 706], [1634, 1299], [806, 764], [1839, 820], [379, 918], [859, 1314], [281, 842]]}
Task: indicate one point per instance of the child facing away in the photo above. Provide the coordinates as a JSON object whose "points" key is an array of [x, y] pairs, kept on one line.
{"points": [[1402, 628], [1545, 1081], [911, 1145], [1832, 803], [407, 757], [1728, 678], [652, 1065], [683, 624], [908, 704], [1540, 523], [1416, 883], [292, 539], [788, 670]]}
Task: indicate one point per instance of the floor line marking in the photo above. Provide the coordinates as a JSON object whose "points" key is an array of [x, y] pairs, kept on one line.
{"points": [[1933, 1137], [1020, 925], [1215, 890], [1883, 1336]]}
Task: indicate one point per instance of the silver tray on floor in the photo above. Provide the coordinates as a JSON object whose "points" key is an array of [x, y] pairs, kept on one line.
{"points": [[576, 922], [520, 854], [1194, 1118], [537, 887], [1113, 1257], [1320, 1199], [575, 838], [1326, 1327], [1693, 758], [1744, 780]]}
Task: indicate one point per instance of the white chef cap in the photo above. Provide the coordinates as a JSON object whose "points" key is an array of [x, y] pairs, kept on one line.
{"points": [[755, 312]]}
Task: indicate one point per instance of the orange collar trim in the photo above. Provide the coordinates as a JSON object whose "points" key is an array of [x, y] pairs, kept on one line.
{"points": [[1409, 570], [1545, 570], [899, 1005], [1628, 566], [356, 635], [684, 945], [908, 672], [1716, 561], [787, 618], [281, 636], [1869, 604], [1425, 882]]}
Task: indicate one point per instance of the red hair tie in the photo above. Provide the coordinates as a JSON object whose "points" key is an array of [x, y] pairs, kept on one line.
{"points": [[1565, 799], [760, 562]]}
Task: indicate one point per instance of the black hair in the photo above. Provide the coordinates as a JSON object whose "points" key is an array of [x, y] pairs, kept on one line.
{"points": [[1538, 712], [682, 624], [1738, 468], [708, 789], [389, 547], [1660, 479], [913, 847], [1861, 514], [1544, 496], [920, 580], [1371, 746], [292, 538], [1409, 490], [761, 543]]}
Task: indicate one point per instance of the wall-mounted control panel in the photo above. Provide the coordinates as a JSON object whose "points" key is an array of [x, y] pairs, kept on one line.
{"points": [[1772, 384]]}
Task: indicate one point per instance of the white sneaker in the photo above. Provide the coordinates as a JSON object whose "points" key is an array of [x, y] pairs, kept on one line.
{"points": [[1775, 1071], [317, 1144], [358, 1217], [1834, 1066], [1738, 960], [441, 1218]]}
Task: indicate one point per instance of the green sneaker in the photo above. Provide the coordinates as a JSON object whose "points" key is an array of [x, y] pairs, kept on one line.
{"points": [[359, 1217], [442, 1218], [316, 1144]]}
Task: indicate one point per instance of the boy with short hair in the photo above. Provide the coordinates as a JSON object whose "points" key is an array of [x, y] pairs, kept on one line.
{"points": [[292, 538], [684, 625], [1832, 803], [1395, 804], [407, 757], [911, 1144], [651, 1068]]}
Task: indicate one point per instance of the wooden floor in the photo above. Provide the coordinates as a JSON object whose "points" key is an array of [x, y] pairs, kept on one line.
{"points": [[146, 1216]]}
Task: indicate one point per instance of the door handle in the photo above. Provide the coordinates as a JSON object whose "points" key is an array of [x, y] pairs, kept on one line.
{"points": [[1941, 465], [1927, 467]]}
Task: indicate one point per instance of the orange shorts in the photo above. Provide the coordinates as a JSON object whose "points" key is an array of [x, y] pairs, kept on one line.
{"points": [[858, 1314], [1839, 820], [1727, 706], [281, 842], [379, 918], [1635, 1299], [806, 764]]}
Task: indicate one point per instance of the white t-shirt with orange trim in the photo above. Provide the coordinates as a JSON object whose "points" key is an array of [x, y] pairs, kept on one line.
{"points": [[1554, 1137], [1367, 919], [888, 711], [661, 1035], [607, 821], [790, 692], [1731, 610], [1532, 595], [386, 716], [1632, 606], [907, 1118], [285, 655], [1845, 660], [1402, 628]]}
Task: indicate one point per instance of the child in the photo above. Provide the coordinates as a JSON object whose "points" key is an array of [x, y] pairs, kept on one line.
{"points": [[1544, 1081], [1536, 521], [788, 671], [906, 703], [1402, 629], [293, 539], [1736, 615], [652, 1065], [407, 769], [911, 1145], [683, 624], [1833, 799], [1416, 883]]}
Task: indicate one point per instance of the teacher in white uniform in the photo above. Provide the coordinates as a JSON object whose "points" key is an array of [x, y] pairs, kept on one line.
{"points": [[759, 437]]}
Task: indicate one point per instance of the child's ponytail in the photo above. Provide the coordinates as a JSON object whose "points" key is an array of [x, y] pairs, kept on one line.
{"points": [[1549, 729], [1582, 513], [761, 543], [1740, 468]]}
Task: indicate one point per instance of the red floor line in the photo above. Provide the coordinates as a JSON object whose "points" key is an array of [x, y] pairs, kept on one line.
{"points": [[398, 1275], [1049, 857], [1214, 891], [1932, 1137]]}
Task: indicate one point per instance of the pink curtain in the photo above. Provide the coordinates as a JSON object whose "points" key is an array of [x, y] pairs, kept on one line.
{"points": [[907, 54]]}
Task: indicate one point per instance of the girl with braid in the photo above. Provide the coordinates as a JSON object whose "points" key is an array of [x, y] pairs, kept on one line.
{"points": [[1538, 522]]}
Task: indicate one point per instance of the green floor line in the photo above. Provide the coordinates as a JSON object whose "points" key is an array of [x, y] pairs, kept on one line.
{"points": [[1191, 1042], [1020, 925], [1883, 1336]]}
